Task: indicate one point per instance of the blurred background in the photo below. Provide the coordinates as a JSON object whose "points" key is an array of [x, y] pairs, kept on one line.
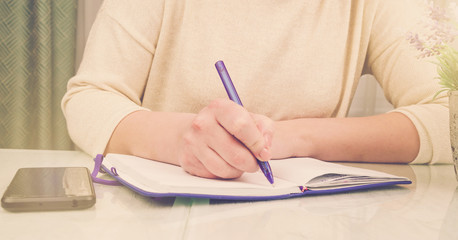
{"points": [[41, 45]]}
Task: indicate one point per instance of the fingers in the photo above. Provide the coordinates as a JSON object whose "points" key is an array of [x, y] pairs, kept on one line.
{"points": [[216, 148], [240, 123], [193, 166], [209, 165], [202, 160], [266, 126], [224, 140], [232, 151]]}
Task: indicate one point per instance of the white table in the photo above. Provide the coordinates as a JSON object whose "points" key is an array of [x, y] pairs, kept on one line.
{"points": [[427, 209]]}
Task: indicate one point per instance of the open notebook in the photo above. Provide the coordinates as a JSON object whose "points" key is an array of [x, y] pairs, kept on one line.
{"points": [[293, 177]]}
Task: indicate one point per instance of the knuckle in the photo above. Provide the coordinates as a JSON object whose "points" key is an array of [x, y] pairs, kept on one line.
{"points": [[223, 171], [185, 162], [189, 165], [229, 173], [257, 144], [238, 158], [198, 123], [239, 126], [243, 160], [188, 140], [201, 172]]}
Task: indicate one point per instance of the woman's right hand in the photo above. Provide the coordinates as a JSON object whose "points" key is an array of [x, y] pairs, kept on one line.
{"points": [[224, 140]]}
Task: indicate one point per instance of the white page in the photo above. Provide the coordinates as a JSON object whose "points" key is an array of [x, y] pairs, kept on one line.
{"points": [[160, 177], [307, 168], [289, 174]]}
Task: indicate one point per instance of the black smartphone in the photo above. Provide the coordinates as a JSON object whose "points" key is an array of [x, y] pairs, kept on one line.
{"points": [[47, 189]]}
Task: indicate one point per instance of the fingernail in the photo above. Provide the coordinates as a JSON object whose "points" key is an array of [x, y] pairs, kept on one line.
{"points": [[265, 154]]}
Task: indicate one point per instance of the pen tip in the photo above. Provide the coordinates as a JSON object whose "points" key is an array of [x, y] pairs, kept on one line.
{"points": [[271, 180]]}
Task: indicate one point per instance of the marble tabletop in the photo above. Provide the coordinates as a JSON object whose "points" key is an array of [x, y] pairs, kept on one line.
{"points": [[426, 209]]}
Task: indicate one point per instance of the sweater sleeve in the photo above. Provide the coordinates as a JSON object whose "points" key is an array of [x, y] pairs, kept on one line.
{"points": [[110, 81], [409, 83]]}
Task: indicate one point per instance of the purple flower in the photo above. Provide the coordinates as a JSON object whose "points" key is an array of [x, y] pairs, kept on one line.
{"points": [[440, 29], [441, 32]]}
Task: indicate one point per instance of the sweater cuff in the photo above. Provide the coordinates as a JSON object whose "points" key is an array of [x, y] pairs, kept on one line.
{"points": [[431, 122]]}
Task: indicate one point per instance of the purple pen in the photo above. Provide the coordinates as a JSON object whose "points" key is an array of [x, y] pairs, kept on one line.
{"points": [[232, 93]]}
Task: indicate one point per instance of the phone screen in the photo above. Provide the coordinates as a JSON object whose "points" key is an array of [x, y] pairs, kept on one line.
{"points": [[41, 189]]}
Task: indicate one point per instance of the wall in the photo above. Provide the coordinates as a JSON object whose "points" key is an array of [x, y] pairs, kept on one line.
{"points": [[87, 11]]}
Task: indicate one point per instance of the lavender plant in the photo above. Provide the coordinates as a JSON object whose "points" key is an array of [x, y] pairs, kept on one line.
{"points": [[441, 30]]}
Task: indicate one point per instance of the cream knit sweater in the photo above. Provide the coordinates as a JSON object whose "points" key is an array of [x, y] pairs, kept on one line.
{"points": [[288, 59]]}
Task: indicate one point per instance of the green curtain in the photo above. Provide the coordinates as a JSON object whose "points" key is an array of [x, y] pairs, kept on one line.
{"points": [[37, 57]]}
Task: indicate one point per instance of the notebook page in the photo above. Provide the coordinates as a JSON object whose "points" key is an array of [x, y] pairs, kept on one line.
{"points": [[308, 168], [160, 177]]}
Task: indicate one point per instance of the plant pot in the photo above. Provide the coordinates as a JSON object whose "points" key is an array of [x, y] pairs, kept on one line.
{"points": [[453, 106]]}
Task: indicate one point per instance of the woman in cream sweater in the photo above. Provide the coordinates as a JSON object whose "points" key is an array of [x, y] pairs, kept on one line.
{"points": [[147, 85]]}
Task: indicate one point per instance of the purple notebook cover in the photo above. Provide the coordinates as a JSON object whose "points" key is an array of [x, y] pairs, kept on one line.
{"points": [[112, 172]]}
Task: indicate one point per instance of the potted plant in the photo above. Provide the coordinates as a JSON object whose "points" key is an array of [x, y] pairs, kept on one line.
{"points": [[442, 29]]}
